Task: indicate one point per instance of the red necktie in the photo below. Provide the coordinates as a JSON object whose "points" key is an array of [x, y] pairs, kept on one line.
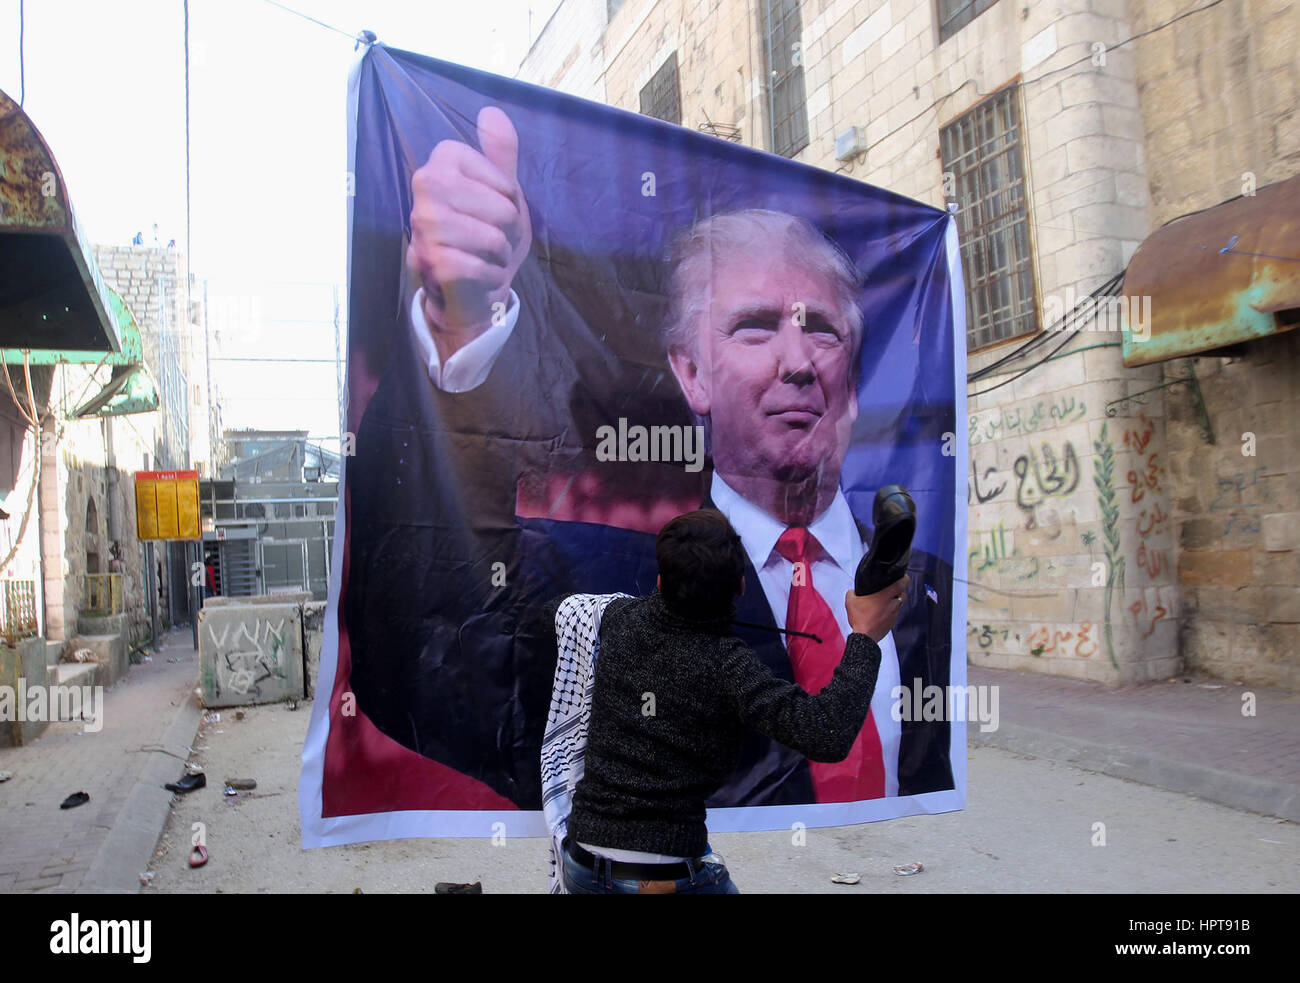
{"points": [[862, 774]]}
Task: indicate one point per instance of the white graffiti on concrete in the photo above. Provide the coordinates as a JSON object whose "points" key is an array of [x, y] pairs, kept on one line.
{"points": [[253, 655]]}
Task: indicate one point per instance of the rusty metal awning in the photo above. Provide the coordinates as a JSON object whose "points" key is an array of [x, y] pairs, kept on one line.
{"points": [[51, 293], [1218, 277]]}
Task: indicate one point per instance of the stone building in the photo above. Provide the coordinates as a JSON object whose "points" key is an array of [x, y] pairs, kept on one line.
{"points": [[1109, 540], [98, 383], [87, 494]]}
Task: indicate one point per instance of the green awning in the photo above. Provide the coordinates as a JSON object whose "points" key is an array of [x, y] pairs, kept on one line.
{"points": [[130, 390]]}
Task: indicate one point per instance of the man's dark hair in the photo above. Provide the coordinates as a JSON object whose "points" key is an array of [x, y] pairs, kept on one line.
{"points": [[701, 565]]}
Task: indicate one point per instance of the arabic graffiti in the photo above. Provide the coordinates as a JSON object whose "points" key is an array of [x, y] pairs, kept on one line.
{"points": [[985, 634], [1011, 421], [1144, 486], [1229, 497], [1042, 640], [1046, 640], [1043, 476], [982, 495], [1148, 609], [992, 550]]}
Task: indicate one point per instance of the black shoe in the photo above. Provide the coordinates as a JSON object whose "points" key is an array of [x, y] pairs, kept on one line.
{"points": [[74, 800], [894, 518], [187, 784], [446, 887]]}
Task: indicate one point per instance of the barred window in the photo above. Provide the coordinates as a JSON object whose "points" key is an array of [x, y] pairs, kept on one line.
{"points": [[956, 14], [984, 172], [661, 97], [787, 112]]}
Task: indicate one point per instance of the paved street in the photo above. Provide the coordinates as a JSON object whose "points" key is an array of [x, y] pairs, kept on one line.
{"points": [[149, 721], [1028, 827]]}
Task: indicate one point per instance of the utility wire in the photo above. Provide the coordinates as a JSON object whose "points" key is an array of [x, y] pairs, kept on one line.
{"points": [[299, 13], [1107, 289], [187, 158], [1120, 44], [1069, 338]]}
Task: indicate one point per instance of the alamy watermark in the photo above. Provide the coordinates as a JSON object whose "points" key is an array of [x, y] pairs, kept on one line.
{"points": [[928, 703], [1068, 310], [75, 936], [80, 704], [677, 444]]}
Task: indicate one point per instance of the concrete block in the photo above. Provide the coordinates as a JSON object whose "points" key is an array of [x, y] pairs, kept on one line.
{"points": [[1226, 567], [109, 651], [1281, 531], [289, 597], [26, 662], [1282, 604], [250, 653], [313, 637], [1276, 569], [77, 674], [97, 624], [1199, 534]]}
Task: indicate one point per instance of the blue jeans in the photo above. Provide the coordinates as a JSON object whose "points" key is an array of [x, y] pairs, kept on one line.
{"points": [[708, 876]]}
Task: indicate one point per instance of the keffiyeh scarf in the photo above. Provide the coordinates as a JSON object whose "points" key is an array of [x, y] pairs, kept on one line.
{"points": [[564, 743]]}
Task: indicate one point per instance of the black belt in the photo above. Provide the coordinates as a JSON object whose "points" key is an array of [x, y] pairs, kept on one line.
{"points": [[627, 870]]}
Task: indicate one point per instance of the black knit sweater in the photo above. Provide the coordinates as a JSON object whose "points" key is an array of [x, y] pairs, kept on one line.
{"points": [[670, 707]]}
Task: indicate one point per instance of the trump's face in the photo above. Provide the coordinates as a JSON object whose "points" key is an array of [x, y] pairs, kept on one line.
{"points": [[772, 368]]}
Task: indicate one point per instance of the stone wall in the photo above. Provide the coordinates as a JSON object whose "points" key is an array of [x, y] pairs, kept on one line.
{"points": [[151, 280], [1236, 512], [568, 53], [1218, 97]]}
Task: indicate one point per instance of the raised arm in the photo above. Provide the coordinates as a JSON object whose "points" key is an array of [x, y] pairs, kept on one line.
{"points": [[822, 726]]}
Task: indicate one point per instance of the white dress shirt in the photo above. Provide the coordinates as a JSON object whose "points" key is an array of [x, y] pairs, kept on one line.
{"points": [[832, 575], [469, 366]]}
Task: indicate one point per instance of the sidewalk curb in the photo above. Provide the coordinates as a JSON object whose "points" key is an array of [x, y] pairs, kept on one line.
{"points": [[130, 844], [1281, 799]]}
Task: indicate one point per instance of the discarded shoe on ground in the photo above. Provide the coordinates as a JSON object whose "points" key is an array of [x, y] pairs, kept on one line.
{"points": [[74, 800], [446, 887], [188, 783]]}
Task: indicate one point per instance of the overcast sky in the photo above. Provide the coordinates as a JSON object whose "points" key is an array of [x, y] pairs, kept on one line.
{"points": [[105, 85]]}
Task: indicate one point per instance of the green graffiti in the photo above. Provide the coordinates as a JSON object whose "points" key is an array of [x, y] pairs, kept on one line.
{"points": [[1104, 478]]}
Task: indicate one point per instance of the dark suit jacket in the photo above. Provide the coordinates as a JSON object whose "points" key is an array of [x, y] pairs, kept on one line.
{"points": [[451, 656]]}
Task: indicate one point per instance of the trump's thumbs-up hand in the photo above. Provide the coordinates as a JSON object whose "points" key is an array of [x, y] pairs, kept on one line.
{"points": [[470, 231]]}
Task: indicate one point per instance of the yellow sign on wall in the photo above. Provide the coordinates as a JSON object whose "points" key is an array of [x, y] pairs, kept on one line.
{"points": [[167, 504]]}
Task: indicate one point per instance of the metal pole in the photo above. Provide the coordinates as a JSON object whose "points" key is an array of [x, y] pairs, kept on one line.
{"points": [[339, 387], [151, 578], [771, 70], [196, 593], [207, 358]]}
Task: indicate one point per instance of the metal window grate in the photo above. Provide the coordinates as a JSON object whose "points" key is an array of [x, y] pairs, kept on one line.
{"points": [[956, 14], [787, 106], [18, 613], [661, 97], [103, 593], [984, 168]]}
